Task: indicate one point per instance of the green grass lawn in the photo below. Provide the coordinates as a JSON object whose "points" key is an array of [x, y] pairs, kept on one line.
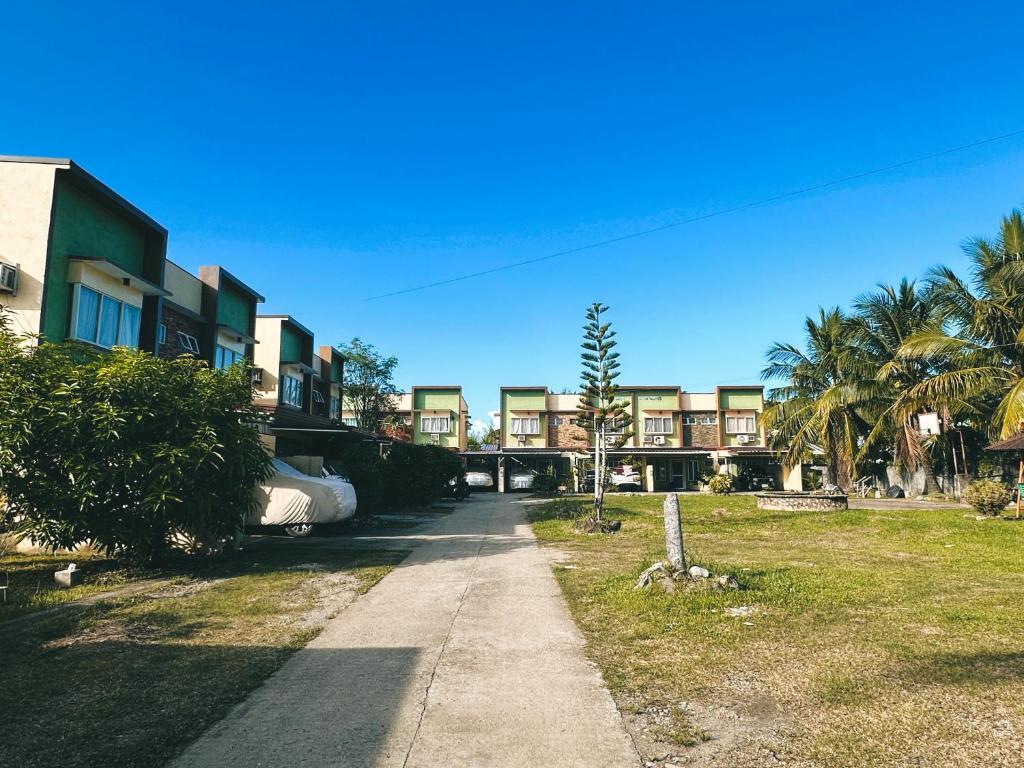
{"points": [[875, 638], [31, 586], [132, 681]]}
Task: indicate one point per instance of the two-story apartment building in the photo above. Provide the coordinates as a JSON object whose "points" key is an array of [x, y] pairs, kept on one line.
{"points": [[427, 415], [672, 437], [77, 260], [211, 317]]}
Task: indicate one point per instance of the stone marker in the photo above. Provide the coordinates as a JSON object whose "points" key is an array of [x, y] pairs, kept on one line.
{"points": [[69, 577], [673, 533]]}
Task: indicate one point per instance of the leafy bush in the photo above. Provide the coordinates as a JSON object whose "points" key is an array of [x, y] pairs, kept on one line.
{"points": [[719, 483], [124, 449], [417, 475], [987, 496], [366, 469]]}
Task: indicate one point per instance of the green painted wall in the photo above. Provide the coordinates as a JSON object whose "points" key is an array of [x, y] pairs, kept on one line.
{"points": [[336, 370], [234, 308], [437, 400], [447, 400], [524, 400], [291, 344], [656, 400], [84, 227], [739, 400]]}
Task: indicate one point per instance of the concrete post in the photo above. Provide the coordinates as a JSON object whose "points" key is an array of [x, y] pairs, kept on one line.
{"points": [[501, 474], [673, 533], [649, 477]]}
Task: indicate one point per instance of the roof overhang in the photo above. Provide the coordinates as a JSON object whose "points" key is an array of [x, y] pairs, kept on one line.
{"points": [[304, 367], [243, 338], [141, 284]]}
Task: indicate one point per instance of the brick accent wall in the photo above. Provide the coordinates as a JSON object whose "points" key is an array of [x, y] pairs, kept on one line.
{"points": [[566, 434], [175, 321], [701, 435]]}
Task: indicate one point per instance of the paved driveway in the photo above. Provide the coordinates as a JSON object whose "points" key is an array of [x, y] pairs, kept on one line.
{"points": [[465, 655]]}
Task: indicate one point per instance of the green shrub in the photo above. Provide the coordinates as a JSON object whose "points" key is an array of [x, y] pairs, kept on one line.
{"points": [[124, 449], [418, 475], [719, 483], [367, 471], [987, 496]]}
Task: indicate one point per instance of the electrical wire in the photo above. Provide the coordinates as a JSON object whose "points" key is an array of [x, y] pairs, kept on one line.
{"points": [[703, 217]]}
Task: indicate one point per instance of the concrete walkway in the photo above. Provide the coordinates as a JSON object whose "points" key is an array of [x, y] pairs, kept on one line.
{"points": [[465, 655]]}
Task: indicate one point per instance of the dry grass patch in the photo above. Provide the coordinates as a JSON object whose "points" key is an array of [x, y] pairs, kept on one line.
{"points": [[860, 638], [132, 681]]}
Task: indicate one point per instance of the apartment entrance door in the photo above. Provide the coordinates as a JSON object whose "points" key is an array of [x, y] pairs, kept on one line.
{"points": [[676, 474]]}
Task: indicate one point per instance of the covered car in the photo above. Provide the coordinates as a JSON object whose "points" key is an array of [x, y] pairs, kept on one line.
{"points": [[479, 479], [521, 480], [298, 502]]}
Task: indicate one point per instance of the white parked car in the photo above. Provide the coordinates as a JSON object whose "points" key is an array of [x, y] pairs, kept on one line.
{"points": [[521, 480], [298, 502], [625, 480], [479, 479]]}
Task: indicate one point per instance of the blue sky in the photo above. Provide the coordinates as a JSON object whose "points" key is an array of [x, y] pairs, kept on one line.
{"points": [[332, 152]]}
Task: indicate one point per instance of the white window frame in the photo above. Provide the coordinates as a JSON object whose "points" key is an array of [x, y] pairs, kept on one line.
{"points": [[525, 425], [708, 421], [435, 424], [688, 421], [188, 342], [660, 429], [162, 334], [318, 397], [350, 421], [335, 407], [121, 303], [733, 424], [290, 384]]}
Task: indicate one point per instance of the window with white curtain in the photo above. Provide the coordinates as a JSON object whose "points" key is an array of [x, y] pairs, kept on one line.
{"points": [[291, 391], [657, 425], [526, 425], [103, 320], [434, 424], [740, 425]]}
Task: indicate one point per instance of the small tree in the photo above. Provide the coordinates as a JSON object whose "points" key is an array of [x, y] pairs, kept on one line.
{"points": [[123, 449], [600, 411], [368, 388]]}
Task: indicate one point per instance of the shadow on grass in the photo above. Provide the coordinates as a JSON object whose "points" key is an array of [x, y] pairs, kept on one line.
{"points": [[983, 668], [129, 702]]}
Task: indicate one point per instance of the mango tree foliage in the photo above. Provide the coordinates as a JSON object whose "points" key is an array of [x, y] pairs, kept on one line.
{"points": [[123, 449]]}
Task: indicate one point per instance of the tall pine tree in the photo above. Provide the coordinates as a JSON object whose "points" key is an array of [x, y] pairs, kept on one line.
{"points": [[600, 411]]}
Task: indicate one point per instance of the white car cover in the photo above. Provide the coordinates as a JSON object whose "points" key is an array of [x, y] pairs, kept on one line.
{"points": [[292, 498]]}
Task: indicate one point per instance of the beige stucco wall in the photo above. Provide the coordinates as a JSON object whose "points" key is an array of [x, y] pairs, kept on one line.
{"points": [[699, 401], [230, 341], [268, 357], [186, 289], [26, 197], [86, 274]]}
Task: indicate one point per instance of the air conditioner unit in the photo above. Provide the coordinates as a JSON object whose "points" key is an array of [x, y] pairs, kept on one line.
{"points": [[648, 439], [745, 439], [9, 279], [435, 438], [610, 440], [659, 439], [522, 439]]}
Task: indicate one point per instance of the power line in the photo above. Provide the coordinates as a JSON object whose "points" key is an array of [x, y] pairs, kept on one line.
{"points": [[703, 217]]}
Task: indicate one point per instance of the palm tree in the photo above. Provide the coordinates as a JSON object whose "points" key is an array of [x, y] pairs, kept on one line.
{"points": [[978, 348], [818, 407], [885, 319]]}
